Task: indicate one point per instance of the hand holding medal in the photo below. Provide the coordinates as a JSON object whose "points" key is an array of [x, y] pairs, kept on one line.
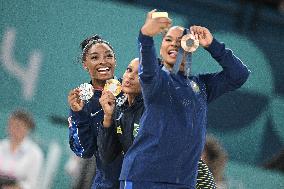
{"points": [[114, 86], [203, 35], [189, 44], [86, 91], [78, 96]]}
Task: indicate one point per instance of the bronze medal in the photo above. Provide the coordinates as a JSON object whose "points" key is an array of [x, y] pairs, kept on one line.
{"points": [[189, 43]]}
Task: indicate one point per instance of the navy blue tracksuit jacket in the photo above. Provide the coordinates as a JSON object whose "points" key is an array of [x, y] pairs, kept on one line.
{"points": [[173, 126], [83, 132]]}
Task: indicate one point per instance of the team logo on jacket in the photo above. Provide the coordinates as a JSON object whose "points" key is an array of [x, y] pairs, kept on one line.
{"points": [[135, 129], [194, 87], [118, 130]]}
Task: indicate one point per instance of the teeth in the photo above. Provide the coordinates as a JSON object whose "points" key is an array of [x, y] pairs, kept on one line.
{"points": [[172, 51], [103, 69]]}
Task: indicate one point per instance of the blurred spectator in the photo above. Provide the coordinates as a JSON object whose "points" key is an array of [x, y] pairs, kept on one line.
{"points": [[82, 171], [216, 158], [277, 162], [21, 159], [281, 6]]}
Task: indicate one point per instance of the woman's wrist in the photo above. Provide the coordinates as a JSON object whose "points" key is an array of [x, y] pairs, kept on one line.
{"points": [[107, 121]]}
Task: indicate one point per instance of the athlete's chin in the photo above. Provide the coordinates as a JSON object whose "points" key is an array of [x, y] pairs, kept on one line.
{"points": [[170, 61], [104, 77]]}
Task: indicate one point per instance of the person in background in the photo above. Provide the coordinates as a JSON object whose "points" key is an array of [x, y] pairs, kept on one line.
{"points": [[98, 59], [168, 146], [81, 171], [276, 162], [21, 159], [215, 156]]}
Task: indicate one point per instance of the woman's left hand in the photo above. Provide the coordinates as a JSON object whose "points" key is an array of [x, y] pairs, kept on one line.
{"points": [[203, 35]]}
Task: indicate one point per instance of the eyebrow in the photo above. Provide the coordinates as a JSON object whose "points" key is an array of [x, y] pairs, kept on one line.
{"points": [[107, 51], [169, 36]]}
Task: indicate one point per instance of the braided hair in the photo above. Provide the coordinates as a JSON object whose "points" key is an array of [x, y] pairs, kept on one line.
{"points": [[87, 43]]}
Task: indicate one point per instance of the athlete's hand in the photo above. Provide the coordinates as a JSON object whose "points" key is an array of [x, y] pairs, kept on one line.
{"points": [[107, 102], [75, 103], [154, 26], [203, 35]]}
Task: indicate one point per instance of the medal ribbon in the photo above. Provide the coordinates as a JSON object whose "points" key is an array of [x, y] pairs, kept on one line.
{"points": [[188, 59]]}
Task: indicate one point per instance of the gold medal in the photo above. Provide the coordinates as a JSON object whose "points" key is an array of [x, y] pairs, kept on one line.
{"points": [[114, 86], [189, 43]]}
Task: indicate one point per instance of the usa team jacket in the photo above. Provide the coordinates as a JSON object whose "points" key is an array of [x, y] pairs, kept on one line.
{"points": [[120, 135], [173, 126], [83, 132]]}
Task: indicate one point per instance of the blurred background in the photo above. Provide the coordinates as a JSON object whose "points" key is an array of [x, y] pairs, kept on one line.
{"points": [[40, 47]]}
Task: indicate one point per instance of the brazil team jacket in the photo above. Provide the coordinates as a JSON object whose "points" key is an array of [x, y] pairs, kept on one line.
{"points": [[119, 136]]}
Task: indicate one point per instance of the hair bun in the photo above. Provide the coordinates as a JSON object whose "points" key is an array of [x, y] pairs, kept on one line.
{"points": [[93, 38]]}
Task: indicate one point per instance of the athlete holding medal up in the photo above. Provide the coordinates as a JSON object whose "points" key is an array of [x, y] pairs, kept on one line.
{"points": [[166, 151], [99, 61]]}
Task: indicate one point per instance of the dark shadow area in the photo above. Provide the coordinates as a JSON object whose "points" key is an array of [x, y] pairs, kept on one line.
{"points": [[58, 120], [235, 110]]}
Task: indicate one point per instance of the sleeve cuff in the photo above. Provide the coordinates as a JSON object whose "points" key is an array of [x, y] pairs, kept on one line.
{"points": [[80, 115], [145, 40], [216, 48], [105, 131]]}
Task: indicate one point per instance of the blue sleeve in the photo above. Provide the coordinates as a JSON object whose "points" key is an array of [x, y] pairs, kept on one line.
{"points": [[149, 69], [82, 134], [109, 146], [233, 75]]}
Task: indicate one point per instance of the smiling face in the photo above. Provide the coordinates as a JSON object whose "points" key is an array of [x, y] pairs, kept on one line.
{"points": [[170, 45], [100, 62], [130, 82]]}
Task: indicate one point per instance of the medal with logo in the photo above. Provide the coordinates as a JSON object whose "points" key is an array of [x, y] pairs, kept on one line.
{"points": [[114, 86], [86, 91], [189, 44]]}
